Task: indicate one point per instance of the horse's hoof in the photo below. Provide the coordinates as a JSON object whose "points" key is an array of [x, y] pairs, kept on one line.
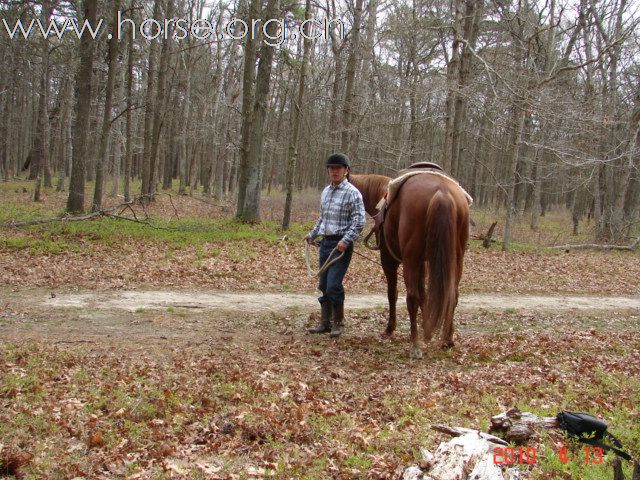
{"points": [[416, 353], [447, 345], [387, 332]]}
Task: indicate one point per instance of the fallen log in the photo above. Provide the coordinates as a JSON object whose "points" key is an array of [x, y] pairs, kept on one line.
{"points": [[596, 246], [519, 427]]}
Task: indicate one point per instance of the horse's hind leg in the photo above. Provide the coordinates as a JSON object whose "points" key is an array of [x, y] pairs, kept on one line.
{"points": [[447, 328], [415, 297], [447, 331], [412, 306], [390, 267]]}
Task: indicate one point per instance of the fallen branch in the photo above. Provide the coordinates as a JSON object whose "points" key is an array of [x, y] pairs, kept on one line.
{"points": [[143, 222], [100, 213], [63, 218], [488, 237], [595, 246]]}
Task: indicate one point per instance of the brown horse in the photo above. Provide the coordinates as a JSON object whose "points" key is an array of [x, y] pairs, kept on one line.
{"points": [[426, 228]]}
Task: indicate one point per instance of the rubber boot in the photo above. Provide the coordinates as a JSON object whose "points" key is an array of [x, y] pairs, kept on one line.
{"points": [[338, 320], [325, 319]]}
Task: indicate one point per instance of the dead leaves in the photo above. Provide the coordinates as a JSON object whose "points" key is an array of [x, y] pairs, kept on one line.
{"points": [[264, 266], [13, 461], [295, 405]]}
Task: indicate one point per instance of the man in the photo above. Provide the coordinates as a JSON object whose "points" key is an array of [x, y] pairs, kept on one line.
{"points": [[341, 221]]}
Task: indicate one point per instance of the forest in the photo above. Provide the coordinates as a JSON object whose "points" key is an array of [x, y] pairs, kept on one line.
{"points": [[532, 106]]}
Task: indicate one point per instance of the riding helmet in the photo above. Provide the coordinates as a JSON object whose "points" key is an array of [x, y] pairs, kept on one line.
{"points": [[338, 159]]}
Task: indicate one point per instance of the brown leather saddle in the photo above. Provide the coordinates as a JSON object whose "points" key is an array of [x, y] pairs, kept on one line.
{"points": [[379, 217]]}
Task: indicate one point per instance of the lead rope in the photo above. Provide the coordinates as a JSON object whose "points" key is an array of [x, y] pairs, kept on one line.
{"points": [[307, 253], [328, 262]]}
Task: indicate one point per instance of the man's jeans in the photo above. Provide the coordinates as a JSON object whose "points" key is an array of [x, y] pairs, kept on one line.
{"points": [[331, 280]]}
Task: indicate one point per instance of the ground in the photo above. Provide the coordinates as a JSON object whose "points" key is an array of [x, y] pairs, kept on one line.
{"points": [[124, 355]]}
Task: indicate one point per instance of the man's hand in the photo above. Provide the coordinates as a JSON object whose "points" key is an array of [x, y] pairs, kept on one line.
{"points": [[342, 246], [308, 239]]}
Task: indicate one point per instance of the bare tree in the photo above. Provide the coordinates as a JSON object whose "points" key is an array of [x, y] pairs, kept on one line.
{"points": [[296, 118], [112, 58], [84, 76], [249, 211]]}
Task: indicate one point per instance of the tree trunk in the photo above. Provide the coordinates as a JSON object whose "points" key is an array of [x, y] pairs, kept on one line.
{"points": [[248, 78], [250, 212], [128, 153], [296, 118], [183, 163], [453, 71], [150, 116], [473, 16], [103, 152], [39, 164], [512, 174], [116, 136], [349, 95], [159, 108], [67, 141], [75, 200], [338, 80]]}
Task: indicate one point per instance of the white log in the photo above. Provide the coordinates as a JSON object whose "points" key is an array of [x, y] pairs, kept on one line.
{"points": [[463, 454]]}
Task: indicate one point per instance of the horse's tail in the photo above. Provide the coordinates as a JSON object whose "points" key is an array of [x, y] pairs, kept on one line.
{"points": [[441, 255]]}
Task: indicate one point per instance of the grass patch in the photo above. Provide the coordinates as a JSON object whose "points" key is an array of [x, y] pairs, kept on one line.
{"points": [[37, 246], [174, 233], [25, 211]]}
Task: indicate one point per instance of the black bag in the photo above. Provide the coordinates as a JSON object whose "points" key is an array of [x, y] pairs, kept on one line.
{"points": [[590, 430]]}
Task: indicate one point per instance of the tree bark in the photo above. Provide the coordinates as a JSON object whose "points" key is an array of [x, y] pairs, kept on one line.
{"points": [[103, 152], [159, 108], [250, 212], [473, 16], [149, 115], [128, 154], [349, 95], [296, 117], [40, 163], [75, 200], [453, 71], [512, 173], [248, 79]]}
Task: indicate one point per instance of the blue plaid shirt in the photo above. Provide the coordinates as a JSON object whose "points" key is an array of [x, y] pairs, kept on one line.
{"points": [[341, 212]]}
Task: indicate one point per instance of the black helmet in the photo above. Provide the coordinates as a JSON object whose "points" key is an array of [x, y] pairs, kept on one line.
{"points": [[338, 159]]}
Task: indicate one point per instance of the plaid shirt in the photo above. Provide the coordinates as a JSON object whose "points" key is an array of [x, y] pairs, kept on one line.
{"points": [[341, 212]]}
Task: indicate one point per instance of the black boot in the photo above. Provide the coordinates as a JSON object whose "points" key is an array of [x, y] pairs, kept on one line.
{"points": [[338, 320], [325, 319]]}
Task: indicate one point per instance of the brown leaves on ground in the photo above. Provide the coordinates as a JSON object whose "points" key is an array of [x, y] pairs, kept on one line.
{"points": [[262, 266], [246, 402]]}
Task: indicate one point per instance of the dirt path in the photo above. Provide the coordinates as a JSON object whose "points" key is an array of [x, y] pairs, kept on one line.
{"points": [[133, 300], [134, 316]]}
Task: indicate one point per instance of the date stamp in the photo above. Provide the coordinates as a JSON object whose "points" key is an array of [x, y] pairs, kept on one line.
{"points": [[528, 455]]}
